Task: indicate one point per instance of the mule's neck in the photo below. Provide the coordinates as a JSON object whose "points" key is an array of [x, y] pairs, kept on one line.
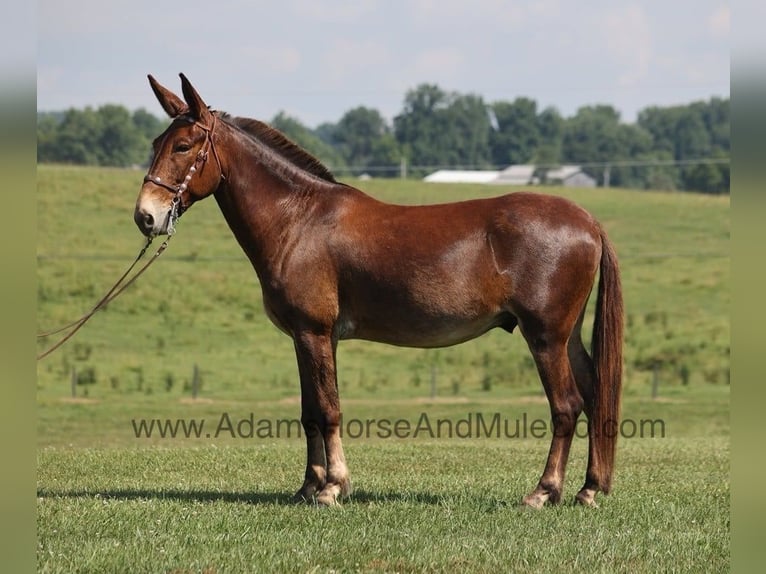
{"points": [[267, 201]]}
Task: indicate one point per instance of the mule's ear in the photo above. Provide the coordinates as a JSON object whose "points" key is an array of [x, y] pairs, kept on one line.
{"points": [[197, 108], [172, 104]]}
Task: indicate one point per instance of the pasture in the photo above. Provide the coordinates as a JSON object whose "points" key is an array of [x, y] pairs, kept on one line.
{"points": [[111, 501]]}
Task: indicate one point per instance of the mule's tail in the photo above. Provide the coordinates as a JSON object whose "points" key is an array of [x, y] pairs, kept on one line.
{"points": [[606, 348]]}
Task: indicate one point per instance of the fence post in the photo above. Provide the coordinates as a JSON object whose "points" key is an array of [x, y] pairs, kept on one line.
{"points": [[195, 381]]}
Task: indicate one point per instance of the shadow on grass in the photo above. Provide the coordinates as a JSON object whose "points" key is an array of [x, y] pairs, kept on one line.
{"points": [[276, 498], [361, 497]]}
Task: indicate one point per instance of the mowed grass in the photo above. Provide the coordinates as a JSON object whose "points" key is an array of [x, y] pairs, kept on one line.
{"points": [[419, 506], [109, 501]]}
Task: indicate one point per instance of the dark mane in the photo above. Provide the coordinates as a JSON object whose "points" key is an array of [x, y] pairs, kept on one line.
{"points": [[276, 141]]}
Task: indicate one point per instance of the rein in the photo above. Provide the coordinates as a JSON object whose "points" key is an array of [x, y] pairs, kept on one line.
{"points": [[110, 296], [175, 212]]}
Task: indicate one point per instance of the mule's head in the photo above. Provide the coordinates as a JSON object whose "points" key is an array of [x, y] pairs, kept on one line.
{"points": [[181, 172]]}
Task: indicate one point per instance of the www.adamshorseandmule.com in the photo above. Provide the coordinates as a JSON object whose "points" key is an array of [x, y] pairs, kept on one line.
{"points": [[473, 425]]}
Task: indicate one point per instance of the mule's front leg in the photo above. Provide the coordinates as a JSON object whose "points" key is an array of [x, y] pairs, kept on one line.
{"points": [[326, 472]]}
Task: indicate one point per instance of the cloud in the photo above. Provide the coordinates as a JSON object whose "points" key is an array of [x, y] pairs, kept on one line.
{"points": [[48, 77], [350, 58], [719, 22], [337, 12], [629, 43], [437, 64], [459, 13]]}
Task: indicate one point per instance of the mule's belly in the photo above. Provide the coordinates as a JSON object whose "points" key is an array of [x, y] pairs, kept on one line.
{"points": [[416, 329]]}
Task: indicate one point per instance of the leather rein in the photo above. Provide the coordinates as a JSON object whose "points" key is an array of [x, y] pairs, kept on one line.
{"points": [[175, 212]]}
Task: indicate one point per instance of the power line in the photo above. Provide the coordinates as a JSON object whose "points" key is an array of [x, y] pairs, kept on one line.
{"points": [[590, 164]]}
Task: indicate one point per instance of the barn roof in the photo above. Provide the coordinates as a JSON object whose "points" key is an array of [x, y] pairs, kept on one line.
{"points": [[458, 176]]}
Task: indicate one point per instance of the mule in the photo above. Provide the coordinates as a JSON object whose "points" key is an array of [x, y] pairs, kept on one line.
{"points": [[334, 263]]}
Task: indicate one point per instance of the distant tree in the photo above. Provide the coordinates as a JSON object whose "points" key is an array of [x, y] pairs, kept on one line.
{"points": [[695, 131], [366, 141], [326, 132], [419, 128], [307, 139], [440, 128], [550, 127], [77, 138], [595, 135], [110, 136], [659, 172], [633, 143], [120, 143], [467, 128], [516, 138], [591, 136], [47, 134], [148, 124], [149, 127]]}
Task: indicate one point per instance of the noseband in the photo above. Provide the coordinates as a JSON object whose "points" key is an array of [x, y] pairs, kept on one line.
{"points": [[176, 206]]}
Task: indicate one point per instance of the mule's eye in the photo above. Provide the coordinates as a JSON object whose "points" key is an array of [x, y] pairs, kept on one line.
{"points": [[181, 147]]}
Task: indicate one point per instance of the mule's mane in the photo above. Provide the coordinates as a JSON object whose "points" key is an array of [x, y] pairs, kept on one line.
{"points": [[276, 141]]}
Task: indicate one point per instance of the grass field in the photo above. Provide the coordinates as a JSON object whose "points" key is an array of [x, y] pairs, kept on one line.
{"points": [[109, 501]]}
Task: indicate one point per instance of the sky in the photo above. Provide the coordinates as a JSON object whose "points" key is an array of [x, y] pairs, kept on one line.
{"points": [[317, 59]]}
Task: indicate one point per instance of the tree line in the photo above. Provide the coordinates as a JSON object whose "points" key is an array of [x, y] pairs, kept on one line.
{"points": [[683, 147]]}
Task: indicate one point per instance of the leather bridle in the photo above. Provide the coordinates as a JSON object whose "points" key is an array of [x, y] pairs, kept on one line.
{"points": [[176, 207]]}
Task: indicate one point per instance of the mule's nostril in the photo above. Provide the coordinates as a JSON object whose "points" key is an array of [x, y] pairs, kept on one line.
{"points": [[144, 221]]}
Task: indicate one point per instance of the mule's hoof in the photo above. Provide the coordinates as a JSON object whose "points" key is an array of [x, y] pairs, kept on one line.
{"points": [[300, 498], [305, 495], [333, 493], [535, 500], [587, 498], [328, 495]]}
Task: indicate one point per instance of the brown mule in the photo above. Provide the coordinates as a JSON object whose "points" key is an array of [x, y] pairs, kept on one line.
{"points": [[334, 263]]}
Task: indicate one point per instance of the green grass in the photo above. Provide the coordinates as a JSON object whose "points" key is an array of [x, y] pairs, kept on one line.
{"points": [[201, 302], [425, 506], [108, 501]]}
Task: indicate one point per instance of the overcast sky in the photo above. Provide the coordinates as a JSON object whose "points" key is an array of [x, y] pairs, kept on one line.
{"points": [[316, 59]]}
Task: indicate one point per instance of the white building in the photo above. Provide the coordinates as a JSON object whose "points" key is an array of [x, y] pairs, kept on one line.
{"points": [[456, 176], [516, 175], [566, 175], [570, 176]]}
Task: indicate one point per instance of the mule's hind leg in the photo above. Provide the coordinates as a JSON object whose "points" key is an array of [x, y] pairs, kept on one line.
{"points": [[549, 350], [584, 374]]}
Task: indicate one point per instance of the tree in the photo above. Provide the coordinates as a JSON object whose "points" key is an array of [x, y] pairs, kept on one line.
{"points": [[516, 138], [468, 131], [596, 136], [439, 128], [77, 138], [148, 125], [592, 136], [550, 127], [110, 135], [697, 131], [418, 128], [307, 139], [365, 141], [120, 143]]}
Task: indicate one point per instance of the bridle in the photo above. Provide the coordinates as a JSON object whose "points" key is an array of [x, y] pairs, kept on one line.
{"points": [[176, 207]]}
